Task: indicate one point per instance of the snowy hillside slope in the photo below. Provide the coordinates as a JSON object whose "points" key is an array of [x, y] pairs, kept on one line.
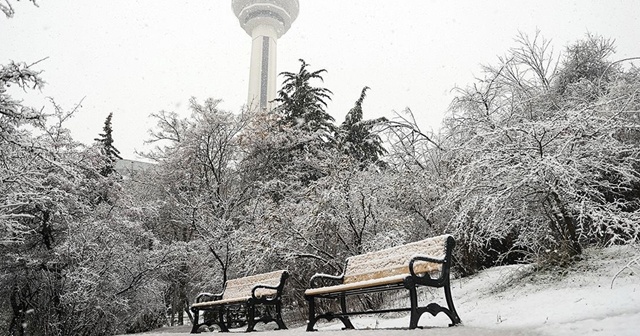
{"points": [[589, 298], [599, 295]]}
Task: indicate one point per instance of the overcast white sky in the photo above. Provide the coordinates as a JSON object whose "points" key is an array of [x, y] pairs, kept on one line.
{"points": [[136, 57]]}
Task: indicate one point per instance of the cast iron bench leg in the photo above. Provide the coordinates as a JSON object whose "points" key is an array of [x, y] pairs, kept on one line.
{"points": [[345, 319], [453, 315], [415, 312], [312, 313], [220, 323], [196, 326], [279, 320], [251, 312]]}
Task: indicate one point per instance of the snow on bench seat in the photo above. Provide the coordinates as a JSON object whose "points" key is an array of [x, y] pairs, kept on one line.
{"points": [[388, 266], [239, 290]]}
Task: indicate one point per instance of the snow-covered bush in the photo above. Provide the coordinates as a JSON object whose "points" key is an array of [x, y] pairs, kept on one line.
{"points": [[73, 261], [538, 170]]}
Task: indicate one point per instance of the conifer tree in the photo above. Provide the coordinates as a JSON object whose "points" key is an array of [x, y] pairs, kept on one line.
{"points": [[355, 135], [302, 105], [301, 138], [111, 153]]}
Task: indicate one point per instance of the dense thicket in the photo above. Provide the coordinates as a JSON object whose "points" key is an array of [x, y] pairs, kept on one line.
{"points": [[75, 259], [543, 159], [535, 161]]}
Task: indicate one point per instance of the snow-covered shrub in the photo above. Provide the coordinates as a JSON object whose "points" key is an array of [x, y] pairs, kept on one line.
{"points": [[540, 171]]}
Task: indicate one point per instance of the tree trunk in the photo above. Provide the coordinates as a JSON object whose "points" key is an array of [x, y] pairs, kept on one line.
{"points": [[566, 227], [19, 313]]}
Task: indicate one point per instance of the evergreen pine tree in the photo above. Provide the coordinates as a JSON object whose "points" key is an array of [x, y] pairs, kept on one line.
{"points": [[300, 135], [302, 105], [111, 153], [355, 136]]}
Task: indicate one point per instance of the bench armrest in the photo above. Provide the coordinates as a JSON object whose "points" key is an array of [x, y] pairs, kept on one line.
{"points": [[258, 286], [423, 258], [208, 297], [316, 280]]}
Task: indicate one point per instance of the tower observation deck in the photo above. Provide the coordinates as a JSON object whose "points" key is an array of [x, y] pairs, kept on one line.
{"points": [[265, 21]]}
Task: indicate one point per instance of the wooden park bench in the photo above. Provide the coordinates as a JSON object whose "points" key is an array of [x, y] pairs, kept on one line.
{"points": [[248, 300], [422, 263]]}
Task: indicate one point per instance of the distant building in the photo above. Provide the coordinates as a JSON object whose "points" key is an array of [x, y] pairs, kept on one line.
{"points": [[128, 168]]}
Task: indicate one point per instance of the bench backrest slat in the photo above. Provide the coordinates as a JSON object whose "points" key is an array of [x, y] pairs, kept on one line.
{"points": [[242, 287], [395, 260]]}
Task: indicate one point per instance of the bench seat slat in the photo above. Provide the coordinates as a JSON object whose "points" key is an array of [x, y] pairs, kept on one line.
{"points": [[380, 278], [362, 284], [231, 300], [220, 302]]}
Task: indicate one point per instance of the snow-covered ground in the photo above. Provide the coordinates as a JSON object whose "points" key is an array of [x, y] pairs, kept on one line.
{"points": [[599, 295]]}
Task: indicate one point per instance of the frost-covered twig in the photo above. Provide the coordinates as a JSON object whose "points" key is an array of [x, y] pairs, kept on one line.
{"points": [[614, 63], [8, 10], [628, 265]]}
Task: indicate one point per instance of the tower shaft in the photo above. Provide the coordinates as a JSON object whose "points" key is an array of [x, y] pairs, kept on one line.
{"points": [[265, 21], [263, 72]]}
